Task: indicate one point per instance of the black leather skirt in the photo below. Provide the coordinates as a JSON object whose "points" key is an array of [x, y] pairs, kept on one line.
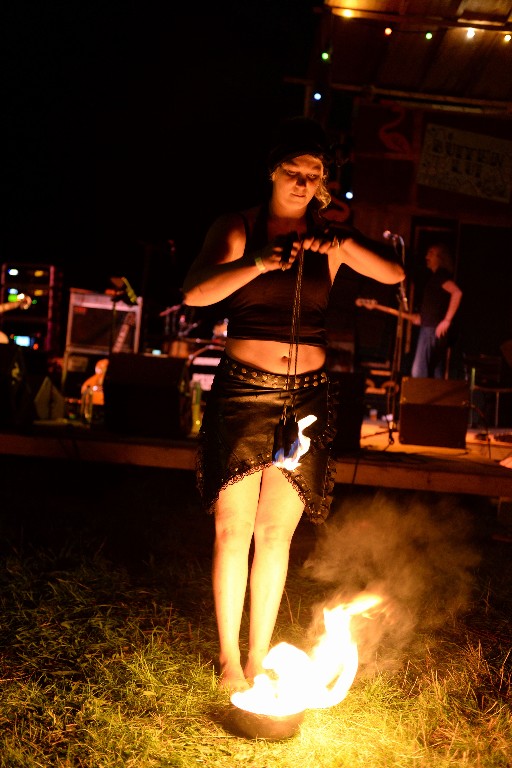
{"points": [[237, 432]]}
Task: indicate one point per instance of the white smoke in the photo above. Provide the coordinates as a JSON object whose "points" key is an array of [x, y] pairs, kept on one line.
{"points": [[419, 555]]}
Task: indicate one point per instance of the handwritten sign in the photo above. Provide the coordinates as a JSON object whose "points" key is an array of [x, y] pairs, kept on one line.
{"points": [[466, 163]]}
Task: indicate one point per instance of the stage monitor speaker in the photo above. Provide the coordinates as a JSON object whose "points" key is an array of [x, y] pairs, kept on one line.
{"points": [[148, 395], [16, 401], [348, 388], [434, 412], [49, 403]]}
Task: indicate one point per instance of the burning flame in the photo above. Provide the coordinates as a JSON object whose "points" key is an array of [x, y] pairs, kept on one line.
{"points": [[297, 681], [299, 447]]}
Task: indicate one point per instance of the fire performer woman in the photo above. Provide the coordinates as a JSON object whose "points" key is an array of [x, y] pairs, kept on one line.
{"points": [[272, 371]]}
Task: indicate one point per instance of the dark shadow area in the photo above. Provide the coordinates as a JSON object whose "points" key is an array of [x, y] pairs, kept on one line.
{"points": [[132, 515], [136, 516]]}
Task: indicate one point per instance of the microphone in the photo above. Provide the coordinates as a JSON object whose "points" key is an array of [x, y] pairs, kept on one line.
{"points": [[387, 235]]}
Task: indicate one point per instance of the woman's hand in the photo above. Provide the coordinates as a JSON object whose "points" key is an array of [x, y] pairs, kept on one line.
{"points": [[322, 243], [279, 254]]}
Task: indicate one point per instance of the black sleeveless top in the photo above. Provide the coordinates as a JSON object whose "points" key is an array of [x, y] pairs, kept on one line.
{"points": [[435, 299], [262, 309]]}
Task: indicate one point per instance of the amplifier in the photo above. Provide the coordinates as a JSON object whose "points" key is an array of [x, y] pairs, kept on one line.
{"points": [[95, 324], [434, 412], [15, 396], [148, 396]]}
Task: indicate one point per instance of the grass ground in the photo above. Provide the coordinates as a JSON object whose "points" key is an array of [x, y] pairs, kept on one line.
{"points": [[108, 637]]}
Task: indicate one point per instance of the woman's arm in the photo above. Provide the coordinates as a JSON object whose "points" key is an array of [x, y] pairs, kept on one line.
{"points": [[368, 263], [220, 268], [223, 265], [358, 257]]}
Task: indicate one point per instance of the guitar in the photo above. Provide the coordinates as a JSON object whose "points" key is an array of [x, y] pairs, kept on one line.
{"points": [[22, 302], [412, 317], [128, 322], [95, 382]]}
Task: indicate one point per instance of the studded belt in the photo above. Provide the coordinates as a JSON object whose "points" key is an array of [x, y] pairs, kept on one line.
{"points": [[232, 369]]}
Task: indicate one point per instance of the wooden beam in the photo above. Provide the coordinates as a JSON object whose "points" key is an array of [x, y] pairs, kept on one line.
{"points": [[424, 99]]}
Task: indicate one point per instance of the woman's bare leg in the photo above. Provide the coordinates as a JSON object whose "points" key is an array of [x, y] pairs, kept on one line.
{"points": [[235, 514], [279, 512]]}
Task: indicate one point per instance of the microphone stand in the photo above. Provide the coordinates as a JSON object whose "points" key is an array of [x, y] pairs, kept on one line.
{"points": [[122, 291], [391, 405]]}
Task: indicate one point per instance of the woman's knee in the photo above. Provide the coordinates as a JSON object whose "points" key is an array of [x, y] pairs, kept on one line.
{"points": [[233, 533], [274, 535]]}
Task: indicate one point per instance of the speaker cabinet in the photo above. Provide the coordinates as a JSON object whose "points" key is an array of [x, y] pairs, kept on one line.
{"points": [[348, 390], [16, 401], [434, 412], [49, 403], [147, 396], [97, 325]]}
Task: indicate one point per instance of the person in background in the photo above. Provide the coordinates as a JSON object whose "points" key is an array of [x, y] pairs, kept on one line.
{"points": [[270, 284], [440, 302]]}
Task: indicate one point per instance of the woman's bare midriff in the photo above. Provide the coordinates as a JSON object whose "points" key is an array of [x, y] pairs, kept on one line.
{"points": [[273, 356]]}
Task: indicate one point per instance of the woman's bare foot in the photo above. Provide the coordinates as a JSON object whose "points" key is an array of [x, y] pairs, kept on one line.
{"points": [[252, 669], [232, 679]]}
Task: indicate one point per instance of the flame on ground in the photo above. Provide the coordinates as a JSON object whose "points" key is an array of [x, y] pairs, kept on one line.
{"points": [[297, 681]]}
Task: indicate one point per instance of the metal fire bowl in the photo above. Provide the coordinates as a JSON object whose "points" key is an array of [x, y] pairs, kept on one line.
{"points": [[251, 726]]}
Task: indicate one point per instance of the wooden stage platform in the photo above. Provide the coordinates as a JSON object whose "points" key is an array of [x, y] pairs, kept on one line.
{"points": [[379, 463]]}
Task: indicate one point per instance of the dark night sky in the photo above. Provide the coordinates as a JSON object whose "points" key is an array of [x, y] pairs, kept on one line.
{"points": [[137, 122]]}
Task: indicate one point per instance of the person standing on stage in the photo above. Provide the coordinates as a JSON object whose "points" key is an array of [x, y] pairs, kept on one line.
{"points": [[277, 294], [440, 302]]}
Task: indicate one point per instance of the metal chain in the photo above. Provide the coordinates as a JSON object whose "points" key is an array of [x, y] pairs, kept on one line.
{"points": [[295, 325]]}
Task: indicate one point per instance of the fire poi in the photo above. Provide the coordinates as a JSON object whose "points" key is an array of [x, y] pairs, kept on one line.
{"points": [[296, 681], [290, 441]]}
